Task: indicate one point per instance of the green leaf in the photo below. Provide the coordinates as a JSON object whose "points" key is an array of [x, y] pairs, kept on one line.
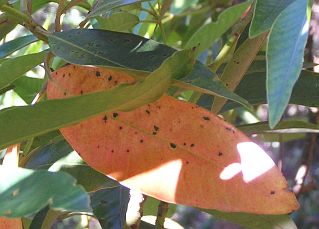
{"points": [[120, 22], [19, 123], [107, 48], [253, 89], [13, 68], [265, 14], [237, 67], [103, 7], [254, 221], [18, 198], [110, 205], [284, 127], [9, 47], [27, 87], [150, 207], [285, 51], [209, 33]]}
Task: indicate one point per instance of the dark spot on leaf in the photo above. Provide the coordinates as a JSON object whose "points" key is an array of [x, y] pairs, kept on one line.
{"points": [[120, 127], [110, 78], [127, 150], [154, 133], [187, 162], [63, 75], [148, 112], [227, 84], [141, 141], [112, 151], [97, 73], [135, 132], [172, 145], [206, 118], [115, 115], [69, 74], [184, 143], [81, 92], [192, 145], [220, 154], [156, 128], [64, 93], [201, 126], [272, 192], [98, 146], [105, 118], [115, 82]]}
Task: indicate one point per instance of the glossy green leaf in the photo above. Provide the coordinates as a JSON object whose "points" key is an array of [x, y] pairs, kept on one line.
{"points": [[206, 35], [120, 22], [284, 127], [107, 48], [285, 52], [11, 46], [19, 198], [253, 89], [27, 87], [110, 205], [265, 14], [13, 68], [254, 221], [19, 123], [103, 7]]}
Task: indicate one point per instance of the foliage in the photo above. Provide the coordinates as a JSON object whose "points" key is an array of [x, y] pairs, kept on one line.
{"points": [[135, 87]]}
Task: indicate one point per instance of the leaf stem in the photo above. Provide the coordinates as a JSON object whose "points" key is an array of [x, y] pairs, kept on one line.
{"points": [[26, 21], [161, 215]]}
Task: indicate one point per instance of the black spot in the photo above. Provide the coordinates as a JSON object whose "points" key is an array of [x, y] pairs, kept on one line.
{"points": [[81, 92], [187, 162], [220, 154], [110, 78], [64, 93], [120, 127], [192, 145], [127, 150], [172, 145], [97, 73], [141, 141], [206, 118], [148, 112], [105, 118], [156, 128], [272, 192], [112, 151], [154, 133], [115, 115], [184, 143], [227, 84]]}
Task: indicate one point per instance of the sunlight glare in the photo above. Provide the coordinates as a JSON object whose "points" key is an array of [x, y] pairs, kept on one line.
{"points": [[254, 160], [230, 171]]}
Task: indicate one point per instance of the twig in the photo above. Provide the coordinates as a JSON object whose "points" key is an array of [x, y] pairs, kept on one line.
{"points": [[161, 215], [26, 21], [59, 12]]}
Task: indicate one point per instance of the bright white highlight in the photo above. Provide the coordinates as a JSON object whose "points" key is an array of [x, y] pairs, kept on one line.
{"points": [[254, 160], [230, 171]]}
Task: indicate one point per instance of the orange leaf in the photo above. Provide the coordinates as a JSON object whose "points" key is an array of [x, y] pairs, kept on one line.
{"points": [[173, 150], [7, 223]]}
